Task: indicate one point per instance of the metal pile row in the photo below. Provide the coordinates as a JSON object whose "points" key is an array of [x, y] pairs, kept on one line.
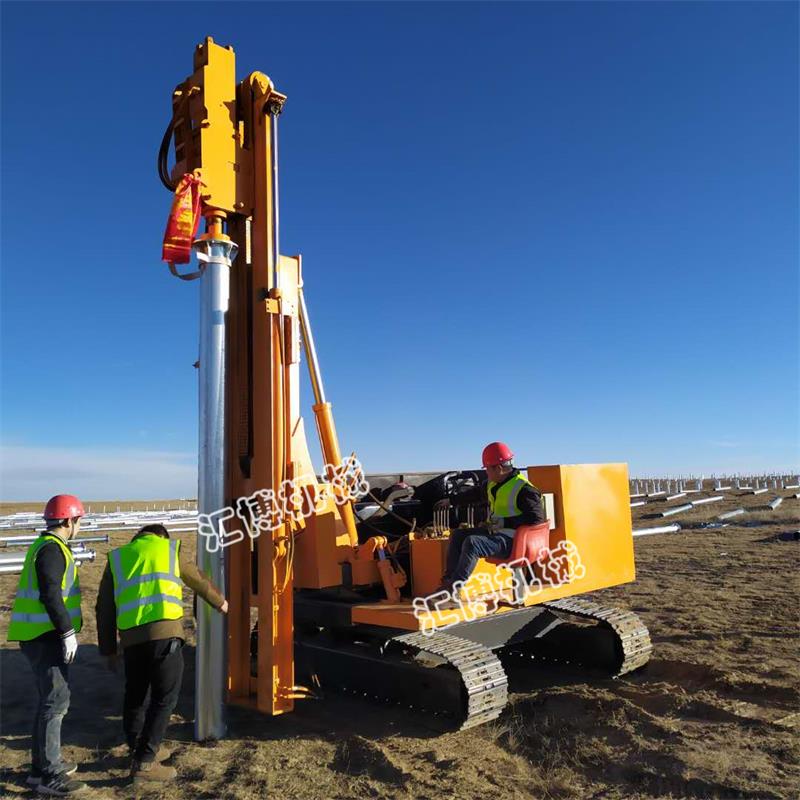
{"points": [[113, 521], [668, 512], [655, 487], [11, 561]]}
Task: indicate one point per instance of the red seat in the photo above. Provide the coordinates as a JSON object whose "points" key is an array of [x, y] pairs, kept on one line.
{"points": [[529, 542]]}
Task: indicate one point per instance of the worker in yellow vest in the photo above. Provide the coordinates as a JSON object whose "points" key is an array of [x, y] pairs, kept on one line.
{"points": [[141, 596], [45, 620], [512, 501]]}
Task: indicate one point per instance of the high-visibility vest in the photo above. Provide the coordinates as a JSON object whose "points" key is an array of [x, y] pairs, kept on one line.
{"points": [[504, 502], [147, 581], [29, 617]]}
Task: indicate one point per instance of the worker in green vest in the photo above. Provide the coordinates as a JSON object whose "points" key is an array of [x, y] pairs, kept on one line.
{"points": [[512, 501], [141, 596], [45, 620]]}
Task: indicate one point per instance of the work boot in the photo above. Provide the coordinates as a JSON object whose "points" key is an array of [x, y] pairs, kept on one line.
{"points": [[162, 755], [60, 786], [152, 771], [36, 777]]}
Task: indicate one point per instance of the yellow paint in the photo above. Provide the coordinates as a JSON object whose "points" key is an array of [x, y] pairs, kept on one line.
{"points": [[223, 134]]}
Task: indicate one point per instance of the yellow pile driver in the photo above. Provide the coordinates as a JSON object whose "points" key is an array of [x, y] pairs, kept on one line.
{"points": [[320, 595]]}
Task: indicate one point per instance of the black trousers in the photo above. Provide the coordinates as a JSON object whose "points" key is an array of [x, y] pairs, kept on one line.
{"points": [[156, 667]]}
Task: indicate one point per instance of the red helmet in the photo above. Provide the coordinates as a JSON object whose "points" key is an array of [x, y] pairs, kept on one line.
{"points": [[496, 453], [63, 506]]}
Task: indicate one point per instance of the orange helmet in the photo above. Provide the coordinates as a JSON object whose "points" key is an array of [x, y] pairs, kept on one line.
{"points": [[63, 506], [496, 453]]}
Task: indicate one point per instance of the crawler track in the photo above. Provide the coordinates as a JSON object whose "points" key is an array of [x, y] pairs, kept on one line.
{"points": [[458, 683], [619, 643], [484, 681]]}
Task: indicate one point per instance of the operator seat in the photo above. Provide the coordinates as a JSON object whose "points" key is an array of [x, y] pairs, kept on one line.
{"points": [[530, 541]]}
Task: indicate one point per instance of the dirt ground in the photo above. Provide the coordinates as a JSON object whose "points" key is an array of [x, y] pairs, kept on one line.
{"points": [[715, 714]]}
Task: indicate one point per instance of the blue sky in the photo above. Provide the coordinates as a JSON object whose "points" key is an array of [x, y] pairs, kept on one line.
{"points": [[573, 227]]}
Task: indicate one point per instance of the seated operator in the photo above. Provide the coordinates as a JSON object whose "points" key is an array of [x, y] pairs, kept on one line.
{"points": [[513, 501]]}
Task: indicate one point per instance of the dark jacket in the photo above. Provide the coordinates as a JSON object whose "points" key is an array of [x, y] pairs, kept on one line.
{"points": [[529, 501], [106, 611], [50, 567]]}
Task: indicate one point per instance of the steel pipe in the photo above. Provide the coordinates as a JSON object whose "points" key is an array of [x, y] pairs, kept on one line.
{"points": [[218, 255], [728, 514], [759, 491], [88, 539], [677, 510], [706, 500], [675, 496], [276, 250], [16, 557], [315, 374], [110, 524], [10, 567], [17, 541], [773, 504], [639, 503], [662, 529]]}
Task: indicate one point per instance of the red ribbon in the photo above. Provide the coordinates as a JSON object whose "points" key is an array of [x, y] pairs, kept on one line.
{"points": [[183, 221]]}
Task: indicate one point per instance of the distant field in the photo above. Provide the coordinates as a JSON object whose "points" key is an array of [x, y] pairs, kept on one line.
{"points": [[98, 505]]}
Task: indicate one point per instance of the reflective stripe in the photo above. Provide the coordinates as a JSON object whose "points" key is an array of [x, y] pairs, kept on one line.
{"points": [[68, 590], [503, 503], [116, 567], [173, 555], [70, 576], [512, 500], [150, 600], [148, 576], [21, 616], [33, 594], [121, 583], [29, 616]]}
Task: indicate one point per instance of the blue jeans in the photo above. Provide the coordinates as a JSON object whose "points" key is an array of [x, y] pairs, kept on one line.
{"points": [[47, 661], [467, 545]]}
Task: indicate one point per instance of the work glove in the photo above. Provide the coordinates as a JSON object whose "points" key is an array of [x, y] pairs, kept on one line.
{"points": [[439, 504], [494, 524], [69, 646]]}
